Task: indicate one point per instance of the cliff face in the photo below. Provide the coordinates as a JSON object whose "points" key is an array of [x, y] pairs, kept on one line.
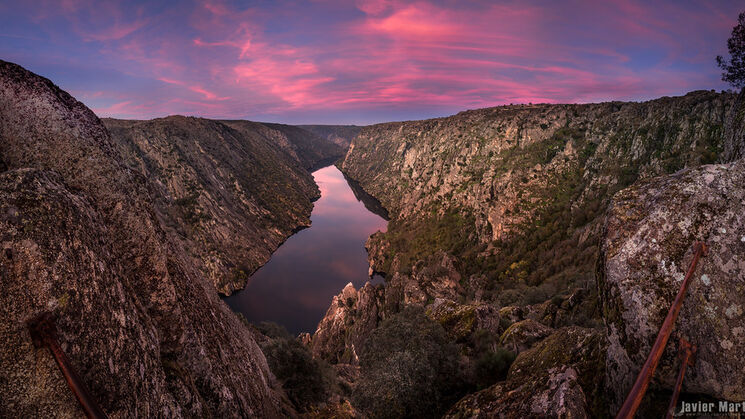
{"points": [[308, 148], [80, 237], [507, 189], [229, 192]]}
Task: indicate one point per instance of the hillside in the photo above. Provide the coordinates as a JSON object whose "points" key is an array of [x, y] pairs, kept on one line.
{"points": [[229, 192], [311, 150]]}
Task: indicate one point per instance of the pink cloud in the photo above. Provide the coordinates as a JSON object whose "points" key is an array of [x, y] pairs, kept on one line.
{"points": [[216, 58]]}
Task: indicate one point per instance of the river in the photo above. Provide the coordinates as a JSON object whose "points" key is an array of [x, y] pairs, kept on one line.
{"points": [[295, 288]]}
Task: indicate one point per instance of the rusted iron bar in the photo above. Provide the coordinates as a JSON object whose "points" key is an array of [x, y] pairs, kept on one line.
{"points": [[44, 333], [636, 394], [686, 355]]}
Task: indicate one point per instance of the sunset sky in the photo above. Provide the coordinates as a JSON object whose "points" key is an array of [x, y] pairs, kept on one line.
{"points": [[345, 61]]}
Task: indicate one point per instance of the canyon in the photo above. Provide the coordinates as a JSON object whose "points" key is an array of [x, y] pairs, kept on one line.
{"points": [[530, 255]]}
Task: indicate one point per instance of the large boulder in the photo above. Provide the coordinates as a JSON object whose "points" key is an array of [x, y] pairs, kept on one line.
{"points": [[522, 335], [648, 246]]}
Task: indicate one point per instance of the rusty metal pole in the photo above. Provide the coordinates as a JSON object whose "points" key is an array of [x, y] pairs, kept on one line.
{"points": [[44, 333], [686, 355], [636, 394]]}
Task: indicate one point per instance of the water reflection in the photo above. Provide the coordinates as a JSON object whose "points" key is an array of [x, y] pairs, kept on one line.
{"points": [[295, 287]]}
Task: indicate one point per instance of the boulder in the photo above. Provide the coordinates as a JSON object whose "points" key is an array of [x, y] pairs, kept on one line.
{"points": [[522, 335], [462, 320], [648, 246]]}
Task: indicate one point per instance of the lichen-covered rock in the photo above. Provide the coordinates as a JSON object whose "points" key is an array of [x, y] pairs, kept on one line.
{"points": [[144, 329], [558, 377], [462, 320], [522, 335], [650, 232]]}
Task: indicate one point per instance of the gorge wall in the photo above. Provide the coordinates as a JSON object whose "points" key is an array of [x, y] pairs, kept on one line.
{"points": [[498, 217], [229, 191]]}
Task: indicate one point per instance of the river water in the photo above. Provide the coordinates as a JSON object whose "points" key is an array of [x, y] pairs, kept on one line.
{"points": [[296, 286]]}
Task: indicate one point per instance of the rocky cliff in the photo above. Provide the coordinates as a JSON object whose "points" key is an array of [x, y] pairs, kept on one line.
{"points": [[82, 238], [504, 210], [230, 192]]}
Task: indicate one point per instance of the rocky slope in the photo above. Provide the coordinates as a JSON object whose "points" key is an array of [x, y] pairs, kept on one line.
{"points": [[81, 238], [502, 211], [230, 192]]}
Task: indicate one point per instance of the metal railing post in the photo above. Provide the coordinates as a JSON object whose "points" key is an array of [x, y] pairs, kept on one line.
{"points": [[44, 333], [636, 394]]}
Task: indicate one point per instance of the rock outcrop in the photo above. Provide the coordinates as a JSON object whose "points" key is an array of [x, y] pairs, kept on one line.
{"points": [[734, 141], [350, 318], [80, 238], [462, 321], [648, 246], [522, 335], [230, 192]]}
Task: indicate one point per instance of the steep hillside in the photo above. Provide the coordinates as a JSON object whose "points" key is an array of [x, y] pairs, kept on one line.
{"points": [[341, 135], [230, 196], [516, 192], [80, 238]]}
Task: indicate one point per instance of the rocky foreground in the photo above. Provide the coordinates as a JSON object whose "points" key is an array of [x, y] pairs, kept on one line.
{"points": [[125, 235], [554, 235]]}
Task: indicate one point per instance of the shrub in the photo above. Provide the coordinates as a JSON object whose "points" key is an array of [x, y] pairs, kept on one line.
{"points": [[306, 381], [409, 368], [492, 366]]}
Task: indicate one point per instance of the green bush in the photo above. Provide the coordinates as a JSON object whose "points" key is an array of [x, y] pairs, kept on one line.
{"points": [[492, 366], [306, 381], [409, 368]]}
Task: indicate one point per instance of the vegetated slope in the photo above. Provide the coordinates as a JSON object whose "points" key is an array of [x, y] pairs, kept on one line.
{"points": [[231, 196], [341, 135], [312, 151], [516, 192], [80, 237], [496, 221]]}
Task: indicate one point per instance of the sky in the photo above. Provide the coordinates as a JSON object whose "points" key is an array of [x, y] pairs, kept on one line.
{"points": [[363, 61]]}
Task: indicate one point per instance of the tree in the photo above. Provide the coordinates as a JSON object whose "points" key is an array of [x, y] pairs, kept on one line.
{"points": [[734, 69]]}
